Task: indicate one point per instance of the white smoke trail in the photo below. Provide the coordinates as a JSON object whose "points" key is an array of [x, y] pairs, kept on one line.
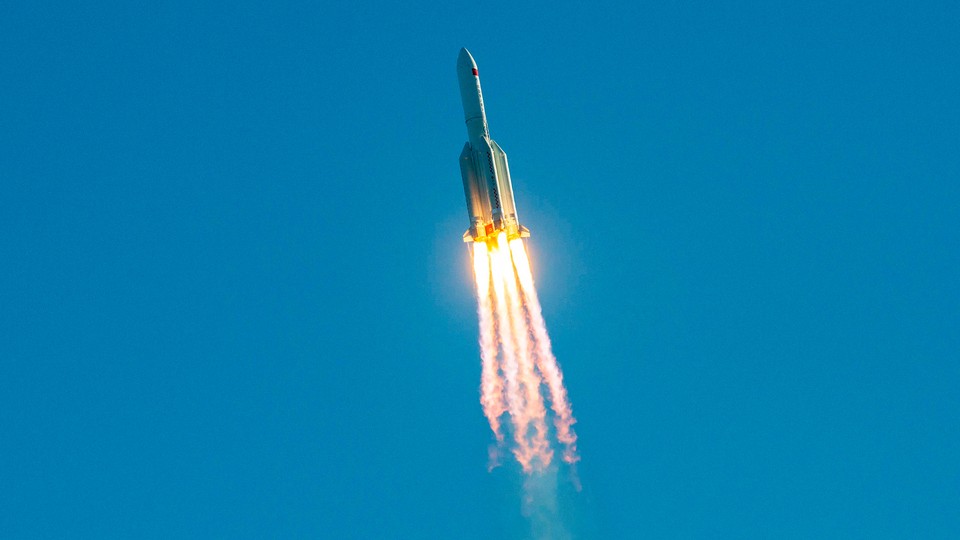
{"points": [[534, 414], [491, 387], [515, 400], [540, 505], [546, 362], [517, 359]]}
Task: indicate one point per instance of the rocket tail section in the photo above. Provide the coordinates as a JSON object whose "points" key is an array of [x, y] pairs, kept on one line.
{"points": [[510, 220], [484, 156], [488, 191], [504, 185], [478, 207]]}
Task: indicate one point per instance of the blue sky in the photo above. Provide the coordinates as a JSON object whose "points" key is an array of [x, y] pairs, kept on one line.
{"points": [[235, 302]]}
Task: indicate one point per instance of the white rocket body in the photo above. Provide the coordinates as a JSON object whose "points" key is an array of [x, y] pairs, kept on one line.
{"points": [[483, 164]]}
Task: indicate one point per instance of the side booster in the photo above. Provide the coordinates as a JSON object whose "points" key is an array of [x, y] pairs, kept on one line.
{"points": [[483, 164]]}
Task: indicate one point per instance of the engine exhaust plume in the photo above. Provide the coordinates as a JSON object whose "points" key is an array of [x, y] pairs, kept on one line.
{"points": [[491, 388], [546, 362], [517, 360]]}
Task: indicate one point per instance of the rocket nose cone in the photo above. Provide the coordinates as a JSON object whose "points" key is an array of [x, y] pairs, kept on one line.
{"points": [[465, 61]]}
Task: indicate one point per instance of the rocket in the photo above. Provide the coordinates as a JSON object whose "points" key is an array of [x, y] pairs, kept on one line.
{"points": [[483, 165]]}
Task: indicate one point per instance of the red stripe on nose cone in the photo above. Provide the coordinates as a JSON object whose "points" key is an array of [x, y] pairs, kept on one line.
{"points": [[475, 71]]}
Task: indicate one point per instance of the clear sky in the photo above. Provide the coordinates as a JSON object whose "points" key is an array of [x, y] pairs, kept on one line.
{"points": [[234, 301]]}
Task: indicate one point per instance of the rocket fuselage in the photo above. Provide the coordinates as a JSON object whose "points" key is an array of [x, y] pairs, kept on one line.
{"points": [[483, 165]]}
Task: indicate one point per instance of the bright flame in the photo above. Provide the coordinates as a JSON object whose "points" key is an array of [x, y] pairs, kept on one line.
{"points": [[517, 358]]}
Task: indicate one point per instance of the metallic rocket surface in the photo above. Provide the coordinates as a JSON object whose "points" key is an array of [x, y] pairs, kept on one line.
{"points": [[483, 164]]}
